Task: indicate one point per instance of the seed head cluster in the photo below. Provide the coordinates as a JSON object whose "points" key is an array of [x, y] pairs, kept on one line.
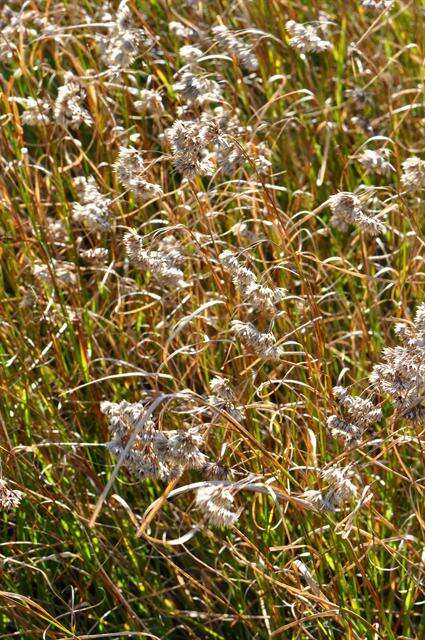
{"points": [[376, 161], [401, 374], [258, 296], [189, 140], [130, 170], [149, 101], [261, 344], [413, 177], [121, 45], [9, 498], [305, 38], [347, 210], [36, 111], [197, 89], [92, 209], [359, 414], [224, 398], [153, 453], [228, 41], [161, 264], [377, 5], [217, 505], [69, 110], [339, 489], [64, 273]]}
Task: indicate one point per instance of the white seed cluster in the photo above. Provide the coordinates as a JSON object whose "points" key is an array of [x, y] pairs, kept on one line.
{"points": [[121, 45], [413, 177], [36, 111], [64, 273], [253, 293], [56, 230], [377, 5], [190, 54], [92, 209], [161, 264], [347, 210], [224, 398], [96, 255], [305, 38], [261, 344], [153, 454], [377, 161], [68, 110], [180, 30], [231, 43], [149, 101], [359, 414], [197, 89], [189, 140], [401, 374], [340, 489], [217, 504], [130, 169], [9, 498]]}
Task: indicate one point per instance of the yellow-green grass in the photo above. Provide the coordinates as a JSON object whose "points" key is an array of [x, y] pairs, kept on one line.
{"points": [[62, 577]]}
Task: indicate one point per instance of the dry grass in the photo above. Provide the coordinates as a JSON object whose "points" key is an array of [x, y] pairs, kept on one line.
{"points": [[92, 552]]}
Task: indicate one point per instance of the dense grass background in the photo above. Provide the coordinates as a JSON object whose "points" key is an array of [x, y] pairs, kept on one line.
{"points": [[117, 335]]}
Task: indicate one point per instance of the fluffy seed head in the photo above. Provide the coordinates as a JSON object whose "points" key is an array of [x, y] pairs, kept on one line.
{"points": [[149, 101], [63, 271], [161, 264], [130, 169], [68, 110], [36, 112], [376, 161], [93, 209], [216, 502], [182, 447], [121, 46], [377, 5], [241, 51], [197, 89], [305, 38], [413, 177], [190, 54], [189, 140], [9, 498], [253, 293], [261, 344], [347, 209]]}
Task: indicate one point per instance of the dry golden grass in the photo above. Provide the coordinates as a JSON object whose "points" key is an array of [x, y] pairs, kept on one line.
{"points": [[92, 551]]}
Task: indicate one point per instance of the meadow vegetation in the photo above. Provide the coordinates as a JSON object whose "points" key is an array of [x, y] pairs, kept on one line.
{"points": [[212, 319]]}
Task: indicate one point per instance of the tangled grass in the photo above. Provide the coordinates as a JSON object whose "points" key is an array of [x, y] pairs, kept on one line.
{"points": [[212, 329]]}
